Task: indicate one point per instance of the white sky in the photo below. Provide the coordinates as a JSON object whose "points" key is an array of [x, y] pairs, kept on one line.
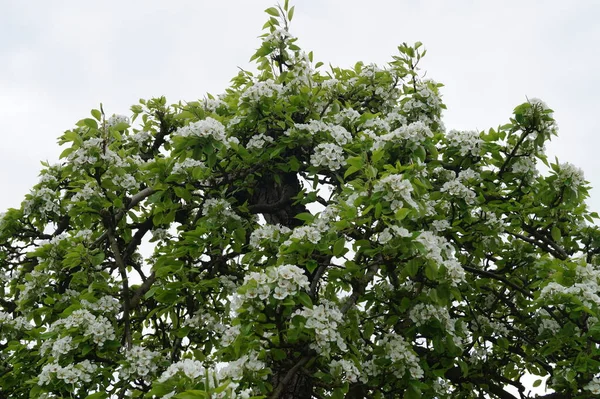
{"points": [[62, 58], [59, 59]]}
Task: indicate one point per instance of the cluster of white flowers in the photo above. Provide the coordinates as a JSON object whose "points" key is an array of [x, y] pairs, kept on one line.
{"points": [[281, 282], [230, 333], [211, 104], [314, 231], [190, 368], [93, 150], [547, 323], [425, 103], [403, 357], [106, 304], [310, 233], [392, 232], [116, 119], [437, 249], [377, 124], [369, 71], [593, 386], [160, 234], [422, 313], [338, 133], [71, 374], [569, 175], [140, 138], [455, 272], [218, 208], [99, 328], [235, 369], [84, 194], [346, 115], [259, 141], [436, 246], [140, 362], [259, 90], [496, 327], [396, 189], [127, 182], [47, 177], [468, 142], [468, 175], [208, 127], [396, 118], [278, 36], [488, 218], [525, 166], [36, 282], [86, 234], [18, 323], [456, 189], [205, 321], [345, 368], [43, 200], [440, 225], [329, 155], [586, 287], [196, 370], [414, 134], [325, 320], [538, 106], [270, 232], [185, 165]]}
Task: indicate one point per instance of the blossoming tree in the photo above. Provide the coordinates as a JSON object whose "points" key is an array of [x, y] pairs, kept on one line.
{"points": [[310, 233]]}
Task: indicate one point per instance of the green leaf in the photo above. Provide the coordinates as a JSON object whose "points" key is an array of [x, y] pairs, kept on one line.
{"points": [[192, 394], [272, 11], [339, 247], [305, 299], [351, 170], [305, 216], [98, 115], [555, 232], [89, 122], [291, 13], [413, 391], [97, 395], [183, 193], [402, 213], [537, 383]]}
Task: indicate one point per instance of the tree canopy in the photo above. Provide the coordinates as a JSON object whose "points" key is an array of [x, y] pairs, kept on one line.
{"points": [[312, 232]]}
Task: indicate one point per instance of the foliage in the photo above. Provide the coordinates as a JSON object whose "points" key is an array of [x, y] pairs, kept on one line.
{"points": [[308, 233]]}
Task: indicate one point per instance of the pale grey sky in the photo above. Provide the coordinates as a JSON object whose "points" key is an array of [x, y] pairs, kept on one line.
{"points": [[62, 58]]}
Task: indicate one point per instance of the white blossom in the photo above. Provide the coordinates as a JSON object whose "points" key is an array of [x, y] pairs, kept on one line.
{"points": [[468, 142], [116, 119], [328, 155], [259, 141], [271, 232], [569, 175], [396, 189]]}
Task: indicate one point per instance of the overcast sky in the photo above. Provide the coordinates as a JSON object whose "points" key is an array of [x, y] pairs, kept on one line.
{"points": [[62, 58]]}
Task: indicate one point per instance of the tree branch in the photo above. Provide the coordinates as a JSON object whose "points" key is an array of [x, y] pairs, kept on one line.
{"points": [[123, 272], [288, 377]]}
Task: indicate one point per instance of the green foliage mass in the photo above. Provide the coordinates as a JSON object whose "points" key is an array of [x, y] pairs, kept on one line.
{"points": [[311, 232]]}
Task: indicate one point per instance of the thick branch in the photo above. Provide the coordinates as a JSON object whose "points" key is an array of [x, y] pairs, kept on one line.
{"points": [[359, 288], [141, 291], [123, 272], [288, 377], [498, 277]]}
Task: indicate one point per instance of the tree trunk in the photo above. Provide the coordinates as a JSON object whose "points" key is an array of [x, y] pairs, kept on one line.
{"points": [[276, 202]]}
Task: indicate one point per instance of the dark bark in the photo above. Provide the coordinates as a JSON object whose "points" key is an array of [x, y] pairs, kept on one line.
{"points": [[275, 198]]}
